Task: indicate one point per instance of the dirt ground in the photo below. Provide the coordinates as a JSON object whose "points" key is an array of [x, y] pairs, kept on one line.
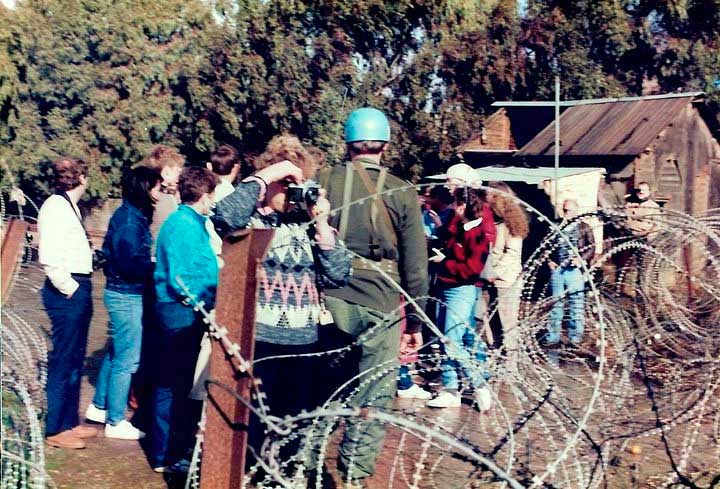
{"points": [[118, 464], [105, 463]]}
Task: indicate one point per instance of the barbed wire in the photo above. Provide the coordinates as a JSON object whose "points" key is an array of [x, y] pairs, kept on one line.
{"points": [[644, 378]]}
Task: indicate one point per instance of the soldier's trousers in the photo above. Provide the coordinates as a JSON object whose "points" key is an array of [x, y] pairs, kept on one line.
{"points": [[377, 337]]}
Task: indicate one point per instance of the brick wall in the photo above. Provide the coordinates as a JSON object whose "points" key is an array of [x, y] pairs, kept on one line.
{"points": [[496, 134]]}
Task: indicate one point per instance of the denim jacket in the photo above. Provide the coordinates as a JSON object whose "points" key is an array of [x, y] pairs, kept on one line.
{"points": [[127, 248], [183, 251]]}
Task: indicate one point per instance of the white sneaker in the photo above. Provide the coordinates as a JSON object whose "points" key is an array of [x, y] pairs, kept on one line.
{"points": [[483, 398], [444, 400], [124, 430], [95, 414], [414, 392]]}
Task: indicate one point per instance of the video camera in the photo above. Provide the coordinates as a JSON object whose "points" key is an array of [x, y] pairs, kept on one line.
{"points": [[304, 195]]}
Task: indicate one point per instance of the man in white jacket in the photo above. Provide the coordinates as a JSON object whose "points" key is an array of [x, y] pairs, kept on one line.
{"points": [[67, 258]]}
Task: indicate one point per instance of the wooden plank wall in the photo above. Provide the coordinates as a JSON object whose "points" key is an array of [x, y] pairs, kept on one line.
{"points": [[681, 168]]}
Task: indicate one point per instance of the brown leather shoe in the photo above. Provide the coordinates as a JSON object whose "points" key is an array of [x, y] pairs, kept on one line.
{"points": [[65, 439], [82, 431]]}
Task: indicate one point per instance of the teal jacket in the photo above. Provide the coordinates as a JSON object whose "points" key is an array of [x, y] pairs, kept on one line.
{"points": [[184, 251]]}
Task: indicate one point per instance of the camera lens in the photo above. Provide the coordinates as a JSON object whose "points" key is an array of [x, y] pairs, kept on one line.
{"points": [[312, 195]]}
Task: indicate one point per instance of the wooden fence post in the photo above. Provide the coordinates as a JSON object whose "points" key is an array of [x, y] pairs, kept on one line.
{"points": [[13, 241]]}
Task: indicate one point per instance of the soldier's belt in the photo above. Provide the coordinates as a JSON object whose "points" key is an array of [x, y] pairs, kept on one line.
{"points": [[388, 266]]}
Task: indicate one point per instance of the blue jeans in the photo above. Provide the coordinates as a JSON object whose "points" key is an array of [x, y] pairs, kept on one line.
{"points": [[123, 355], [70, 319], [405, 380], [567, 282], [175, 415], [463, 349]]}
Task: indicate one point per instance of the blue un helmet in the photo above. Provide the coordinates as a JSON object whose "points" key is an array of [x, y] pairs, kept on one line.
{"points": [[367, 124]]}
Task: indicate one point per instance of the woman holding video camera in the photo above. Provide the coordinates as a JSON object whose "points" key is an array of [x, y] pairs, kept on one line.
{"points": [[304, 257]]}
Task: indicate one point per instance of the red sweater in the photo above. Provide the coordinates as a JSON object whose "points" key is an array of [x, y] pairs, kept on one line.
{"points": [[467, 251]]}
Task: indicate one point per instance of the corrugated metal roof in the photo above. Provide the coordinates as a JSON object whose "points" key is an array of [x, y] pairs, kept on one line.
{"points": [[611, 128], [587, 101], [532, 176]]}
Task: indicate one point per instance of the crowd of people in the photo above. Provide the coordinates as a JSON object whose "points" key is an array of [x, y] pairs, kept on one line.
{"points": [[163, 252]]}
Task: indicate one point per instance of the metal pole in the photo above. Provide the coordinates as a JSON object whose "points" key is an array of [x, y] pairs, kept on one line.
{"points": [[225, 439], [557, 142]]}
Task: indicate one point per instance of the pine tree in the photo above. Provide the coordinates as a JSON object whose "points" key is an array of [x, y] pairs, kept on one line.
{"points": [[105, 80], [101, 80]]}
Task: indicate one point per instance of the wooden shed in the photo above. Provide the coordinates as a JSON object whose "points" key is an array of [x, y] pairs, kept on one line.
{"points": [[665, 140]]}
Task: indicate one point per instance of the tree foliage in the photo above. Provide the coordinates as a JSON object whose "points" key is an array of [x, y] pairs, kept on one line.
{"points": [[107, 79]]}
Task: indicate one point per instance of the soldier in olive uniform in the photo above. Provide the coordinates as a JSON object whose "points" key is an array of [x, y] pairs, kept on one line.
{"points": [[388, 234]]}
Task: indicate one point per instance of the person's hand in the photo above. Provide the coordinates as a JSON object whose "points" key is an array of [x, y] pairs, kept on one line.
{"points": [[69, 296], [460, 210], [577, 261], [284, 170], [552, 265], [436, 219], [321, 210], [409, 342], [438, 257]]}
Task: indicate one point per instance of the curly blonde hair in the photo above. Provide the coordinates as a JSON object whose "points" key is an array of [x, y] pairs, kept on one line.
{"points": [[287, 147], [507, 208]]}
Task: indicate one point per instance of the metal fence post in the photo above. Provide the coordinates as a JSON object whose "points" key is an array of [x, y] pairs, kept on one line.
{"points": [[225, 439]]}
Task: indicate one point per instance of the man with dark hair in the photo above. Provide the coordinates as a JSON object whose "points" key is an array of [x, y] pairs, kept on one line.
{"points": [[388, 234], [67, 258], [186, 267], [225, 163], [438, 213], [68, 173]]}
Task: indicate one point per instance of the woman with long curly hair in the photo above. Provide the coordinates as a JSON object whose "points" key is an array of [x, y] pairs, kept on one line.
{"points": [[512, 225]]}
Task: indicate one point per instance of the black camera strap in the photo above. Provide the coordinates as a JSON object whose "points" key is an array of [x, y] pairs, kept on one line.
{"points": [[77, 214]]}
